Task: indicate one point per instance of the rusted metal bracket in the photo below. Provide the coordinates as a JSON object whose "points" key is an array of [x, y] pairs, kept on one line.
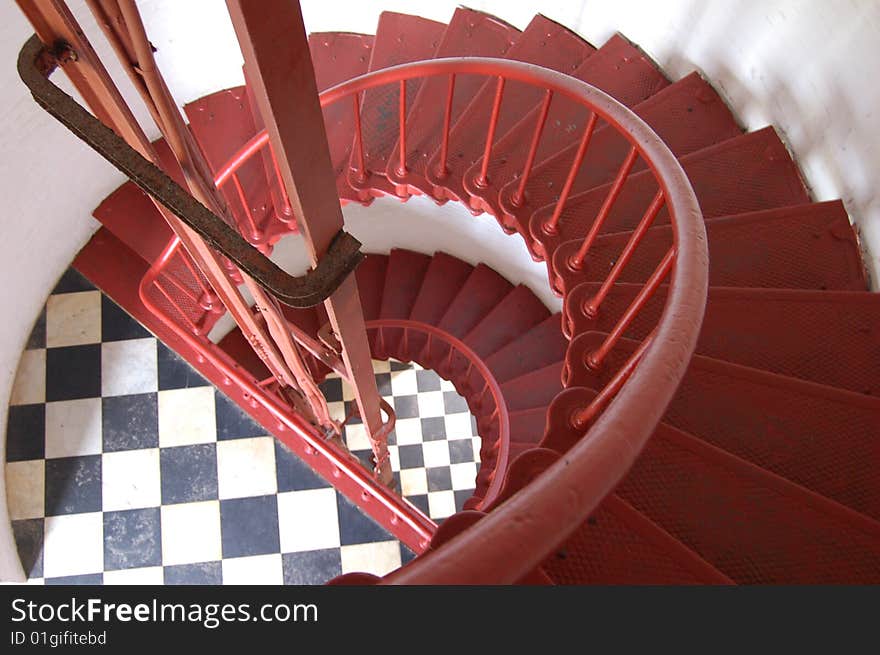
{"points": [[36, 63]]}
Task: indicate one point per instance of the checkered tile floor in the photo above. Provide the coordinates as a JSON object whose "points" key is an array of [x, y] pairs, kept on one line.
{"points": [[124, 466]]}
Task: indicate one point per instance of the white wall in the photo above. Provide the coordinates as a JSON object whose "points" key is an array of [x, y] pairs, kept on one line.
{"points": [[810, 67]]}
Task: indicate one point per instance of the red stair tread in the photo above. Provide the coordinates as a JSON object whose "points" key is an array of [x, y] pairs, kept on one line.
{"points": [[809, 246], [223, 122], [338, 57], [544, 344], [442, 282], [618, 68], [469, 34], [543, 43], [754, 526], [534, 389], [827, 337], [527, 426], [825, 439], [403, 280], [370, 276], [747, 173], [132, 217], [687, 115], [620, 545], [400, 39]]}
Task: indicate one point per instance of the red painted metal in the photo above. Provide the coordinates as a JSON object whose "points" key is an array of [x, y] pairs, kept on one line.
{"points": [[776, 248], [776, 422], [469, 34], [482, 180], [403, 281], [747, 173], [541, 346], [688, 115], [572, 171], [540, 122], [543, 43], [617, 68]]}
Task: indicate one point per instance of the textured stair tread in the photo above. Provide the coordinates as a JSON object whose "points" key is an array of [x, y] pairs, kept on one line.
{"points": [[543, 43], [370, 276], [687, 115], [746, 173], [753, 525], [131, 215], [517, 313], [403, 280], [828, 337], [822, 438], [400, 39], [338, 57], [469, 34], [542, 345], [222, 123], [810, 246], [534, 389], [527, 426], [618, 68], [483, 289], [442, 282], [620, 545]]}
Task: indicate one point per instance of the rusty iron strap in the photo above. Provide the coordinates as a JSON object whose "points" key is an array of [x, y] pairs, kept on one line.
{"points": [[36, 63]]}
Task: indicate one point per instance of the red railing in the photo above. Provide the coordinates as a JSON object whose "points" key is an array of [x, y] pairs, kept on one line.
{"points": [[513, 539]]}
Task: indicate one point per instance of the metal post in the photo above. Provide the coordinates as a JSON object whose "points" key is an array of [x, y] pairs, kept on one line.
{"points": [[279, 68]]}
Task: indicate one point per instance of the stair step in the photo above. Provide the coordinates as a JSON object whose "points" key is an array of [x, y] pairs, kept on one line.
{"points": [[130, 215], [747, 173], [442, 282], [403, 280], [483, 289], [222, 123], [400, 39], [620, 545], [338, 57], [618, 68], [542, 345], [527, 426], [534, 389], [827, 337], [810, 246], [756, 527], [687, 115], [469, 34], [822, 438], [543, 43], [370, 276]]}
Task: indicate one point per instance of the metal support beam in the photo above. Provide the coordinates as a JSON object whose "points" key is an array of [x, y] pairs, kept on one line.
{"points": [[279, 68]]}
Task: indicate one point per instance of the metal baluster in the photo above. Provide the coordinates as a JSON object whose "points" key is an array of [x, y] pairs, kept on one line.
{"points": [[482, 180], [520, 195], [550, 225], [443, 171]]}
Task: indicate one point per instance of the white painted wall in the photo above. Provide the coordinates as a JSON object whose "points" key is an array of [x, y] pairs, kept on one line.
{"points": [[810, 67]]}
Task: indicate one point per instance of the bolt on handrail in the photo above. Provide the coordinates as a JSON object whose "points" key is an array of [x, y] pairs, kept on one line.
{"points": [[512, 540]]}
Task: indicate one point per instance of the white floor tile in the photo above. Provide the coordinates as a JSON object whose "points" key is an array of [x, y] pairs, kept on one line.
{"points": [[458, 426], [73, 319], [129, 367], [186, 417], [30, 379], [378, 558], [191, 533], [308, 520], [149, 575], [131, 479], [441, 504], [337, 410], [436, 453], [413, 482], [408, 431], [431, 404], [403, 383], [356, 437], [246, 467], [256, 570], [26, 489], [463, 475], [73, 545], [477, 444], [381, 365], [73, 428]]}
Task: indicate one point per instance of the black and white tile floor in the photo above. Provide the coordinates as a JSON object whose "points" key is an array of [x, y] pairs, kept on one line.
{"points": [[124, 466]]}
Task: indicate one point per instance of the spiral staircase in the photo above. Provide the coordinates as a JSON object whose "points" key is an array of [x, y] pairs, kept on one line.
{"points": [[765, 465]]}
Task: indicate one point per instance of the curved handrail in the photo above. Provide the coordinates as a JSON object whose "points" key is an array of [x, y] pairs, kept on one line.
{"points": [[503, 456], [514, 538]]}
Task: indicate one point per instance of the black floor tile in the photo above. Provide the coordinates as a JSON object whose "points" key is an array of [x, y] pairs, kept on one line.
{"points": [[249, 526], [232, 421], [427, 381], [202, 573], [175, 373], [73, 485], [293, 474], [453, 403], [26, 432], [117, 325], [411, 456], [132, 539], [130, 422], [71, 282], [461, 451], [88, 579], [29, 540], [433, 428], [189, 473], [355, 527], [439, 478], [313, 567], [37, 336], [73, 372]]}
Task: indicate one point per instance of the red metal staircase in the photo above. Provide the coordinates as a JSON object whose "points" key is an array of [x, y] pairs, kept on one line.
{"points": [[766, 465]]}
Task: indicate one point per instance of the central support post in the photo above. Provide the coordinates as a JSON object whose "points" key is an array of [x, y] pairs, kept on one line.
{"points": [[279, 68]]}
